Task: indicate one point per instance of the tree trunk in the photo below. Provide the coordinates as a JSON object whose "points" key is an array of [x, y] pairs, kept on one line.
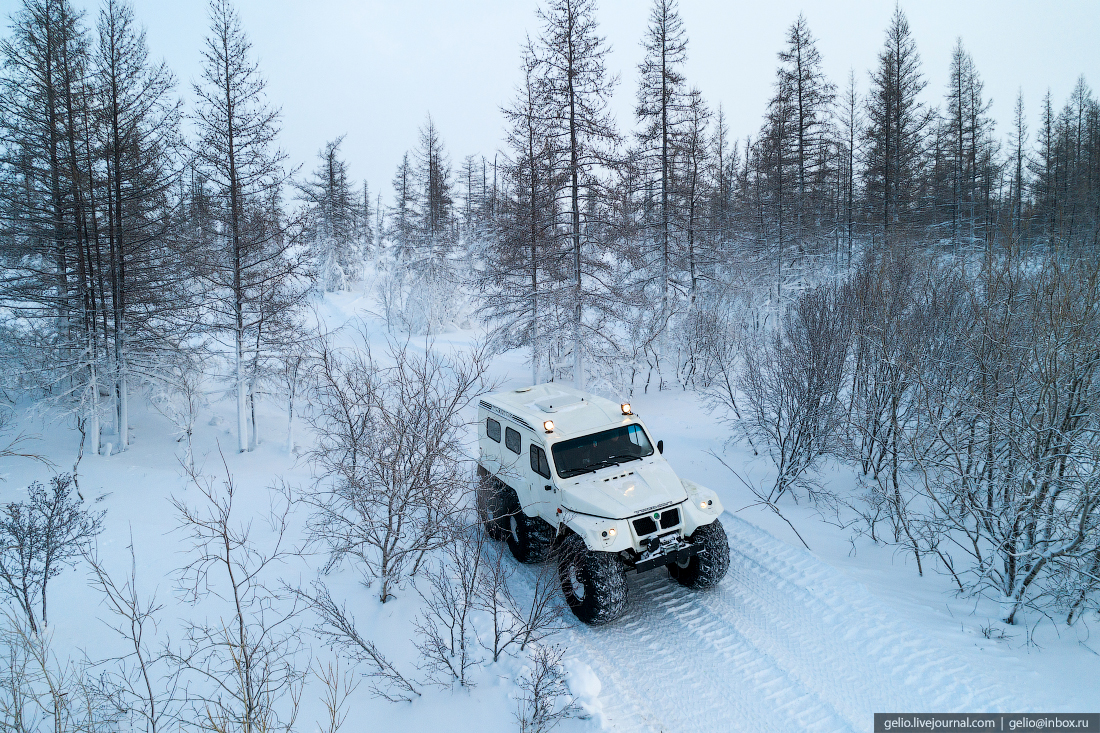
{"points": [[574, 163]]}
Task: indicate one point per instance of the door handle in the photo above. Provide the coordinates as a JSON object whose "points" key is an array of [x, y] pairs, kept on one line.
{"points": [[547, 487]]}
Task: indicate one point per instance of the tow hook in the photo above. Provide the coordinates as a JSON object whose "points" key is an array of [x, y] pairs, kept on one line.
{"points": [[679, 552]]}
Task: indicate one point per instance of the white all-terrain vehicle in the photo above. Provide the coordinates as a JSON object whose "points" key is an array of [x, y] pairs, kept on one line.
{"points": [[565, 471]]}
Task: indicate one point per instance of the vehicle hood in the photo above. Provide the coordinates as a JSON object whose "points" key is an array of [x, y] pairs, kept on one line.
{"points": [[624, 491]]}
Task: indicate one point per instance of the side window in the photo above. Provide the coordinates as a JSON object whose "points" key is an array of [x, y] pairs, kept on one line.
{"points": [[492, 429], [511, 439], [538, 462]]}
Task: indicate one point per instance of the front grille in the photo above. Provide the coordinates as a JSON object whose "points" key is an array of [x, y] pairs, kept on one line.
{"points": [[644, 526], [648, 525]]}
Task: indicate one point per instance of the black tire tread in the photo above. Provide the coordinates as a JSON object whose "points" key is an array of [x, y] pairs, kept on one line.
{"points": [[534, 537], [604, 577], [488, 499], [706, 569]]}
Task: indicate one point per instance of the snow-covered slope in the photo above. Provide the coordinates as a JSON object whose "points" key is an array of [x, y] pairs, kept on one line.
{"points": [[790, 640]]}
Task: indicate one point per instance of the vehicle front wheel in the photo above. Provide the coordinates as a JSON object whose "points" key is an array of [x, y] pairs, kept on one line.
{"points": [[594, 583], [529, 538], [705, 569]]}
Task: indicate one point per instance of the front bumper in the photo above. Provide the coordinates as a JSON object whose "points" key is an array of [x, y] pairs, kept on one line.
{"points": [[679, 554]]}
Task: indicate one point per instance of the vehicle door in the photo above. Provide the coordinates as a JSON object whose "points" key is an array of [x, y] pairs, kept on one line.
{"points": [[513, 465], [489, 446], [543, 495]]}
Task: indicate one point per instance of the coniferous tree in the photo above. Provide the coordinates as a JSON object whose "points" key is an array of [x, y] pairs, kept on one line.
{"points": [[333, 220], [895, 133], [850, 133], [139, 131], [578, 89], [364, 222], [402, 214], [1019, 166], [774, 175], [693, 154], [51, 282], [436, 203], [811, 98], [252, 264], [520, 255], [723, 175], [1077, 210], [470, 181], [1044, 172], [968, 136], [661, 108]]}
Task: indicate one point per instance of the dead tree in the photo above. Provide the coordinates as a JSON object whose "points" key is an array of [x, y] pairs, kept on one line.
{"points": [[544, 699], [517, 618], [338, 688], [390, 459], [38, 539], [445, 627], [16, 447], [337, 628], [144, 685], [241, 670], [791, 379], [40, 691]]}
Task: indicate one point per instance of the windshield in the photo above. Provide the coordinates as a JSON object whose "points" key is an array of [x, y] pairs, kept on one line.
{"points": [[599, 450]]}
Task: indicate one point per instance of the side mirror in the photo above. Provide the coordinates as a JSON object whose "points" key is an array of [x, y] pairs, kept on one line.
{"points": [[661, 447]]}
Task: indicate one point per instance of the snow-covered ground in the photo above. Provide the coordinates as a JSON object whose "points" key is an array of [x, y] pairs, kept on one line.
{"points": [[791, 639]]}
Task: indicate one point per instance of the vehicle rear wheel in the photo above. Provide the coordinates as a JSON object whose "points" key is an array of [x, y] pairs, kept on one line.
{"points": [[593, 583], [529, 538], [490, 505], [705, 569]]}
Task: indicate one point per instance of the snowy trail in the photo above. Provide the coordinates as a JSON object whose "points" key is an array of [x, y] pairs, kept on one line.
{"points": [[784, 643]]}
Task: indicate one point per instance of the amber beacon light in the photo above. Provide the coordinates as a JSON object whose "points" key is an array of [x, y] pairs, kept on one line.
{"points": [[548, 426], [626, 408]]}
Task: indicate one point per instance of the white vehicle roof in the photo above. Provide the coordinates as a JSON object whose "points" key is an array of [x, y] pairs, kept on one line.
{"points": [[574, 412]]}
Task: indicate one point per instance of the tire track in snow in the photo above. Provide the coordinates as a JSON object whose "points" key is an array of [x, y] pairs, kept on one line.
{"points": [[695, 675], [833, 632], [785, 642]]}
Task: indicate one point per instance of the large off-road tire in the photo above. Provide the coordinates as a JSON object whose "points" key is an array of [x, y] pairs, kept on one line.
{"points": [[529, 538], [594, 583], [490, 504], [710, 565]]}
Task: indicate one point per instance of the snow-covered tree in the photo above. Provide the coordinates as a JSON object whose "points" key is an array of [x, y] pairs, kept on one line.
{"points": [[334, 220], [661, 112], [252, 270], [578, 89], [150, 300], [897, 122], [811, 99], [518, 275]]}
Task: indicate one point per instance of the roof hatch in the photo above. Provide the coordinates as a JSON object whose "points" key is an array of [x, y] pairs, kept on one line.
{"points": [[558, 402]]}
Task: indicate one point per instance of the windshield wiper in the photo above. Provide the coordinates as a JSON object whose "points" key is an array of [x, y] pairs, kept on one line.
{"points": [[624, 457], [605, 463], [594, 467]]}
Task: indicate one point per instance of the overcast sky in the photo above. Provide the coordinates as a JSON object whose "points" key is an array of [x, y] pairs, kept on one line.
{"points": [[373, 69]]}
